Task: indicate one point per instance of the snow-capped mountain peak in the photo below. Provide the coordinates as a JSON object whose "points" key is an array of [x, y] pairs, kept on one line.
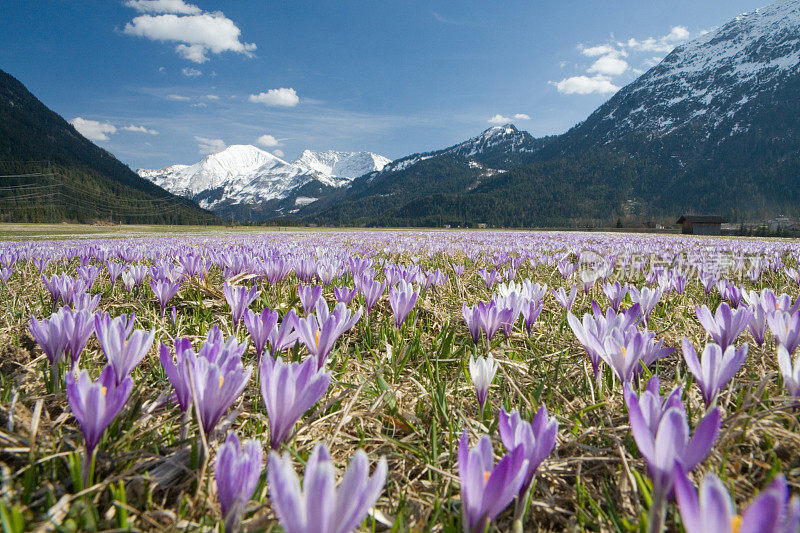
{"points": [[507, 136], [347, 165], [247, 174]]}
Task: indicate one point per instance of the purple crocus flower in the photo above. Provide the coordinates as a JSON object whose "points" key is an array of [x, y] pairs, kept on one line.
{"points": [[344, 294], [309, 296], [96, 404], [128, 281], [670, 441], [402, 299], [237, 470], [289, 390], [758, 317], [623, 351], [319, 506], [239, 298], [564, 299], [594, 329], [472, 317], [566, 268], [5, 273], [51, 284], [85, 302], [486, 489], [493, 318], [88, 274], [225, 353], [773, 303], [646, 298], [164, 290], [51, 336], [653, 351], [489, 277], [78, 327], [284, 337], [786, 329], [318, 337], [615, 293], [137, 274], [531, 311], [218, 381], [715, 369], [114, 270], [588, 278], [482, 371], [726, 324], [260, 326], [537, 438], [772, 511], [790, 371], [124, 346], [177, 374], [372, 291], [651, 404], [510, 307]]}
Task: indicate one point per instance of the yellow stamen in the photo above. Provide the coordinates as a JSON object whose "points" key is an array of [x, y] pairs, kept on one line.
{"points": [[623, 351], [486, 475], [317, 338], [103, 390], [221, 379], [736, 523]]}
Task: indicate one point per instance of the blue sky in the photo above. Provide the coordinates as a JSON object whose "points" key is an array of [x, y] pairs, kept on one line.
{"points": [[158, 82]]}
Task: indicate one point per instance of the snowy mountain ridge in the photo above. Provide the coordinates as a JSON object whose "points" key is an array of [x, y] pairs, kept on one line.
{"points": [[247, 174], [709, 82], [497, 140]]}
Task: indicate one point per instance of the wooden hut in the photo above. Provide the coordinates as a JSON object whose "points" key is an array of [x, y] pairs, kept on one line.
{"points": [[700, 224]]}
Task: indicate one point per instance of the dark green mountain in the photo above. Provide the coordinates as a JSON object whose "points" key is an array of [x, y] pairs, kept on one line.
{"points": [[379, 198], [65, 177], [714, 128]]}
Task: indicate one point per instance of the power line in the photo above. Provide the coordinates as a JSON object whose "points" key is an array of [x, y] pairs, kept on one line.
{"points": [[115, 205]]}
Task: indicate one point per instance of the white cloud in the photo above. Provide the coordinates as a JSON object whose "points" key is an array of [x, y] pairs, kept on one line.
{"points": [[198, 34], [278, 153], [600, 75], [599, 50], [267, 141], [212, 97], [178, 97], [278, 97], [139, 129], [609, 65], [209, 146], [163, 6], [191, 72], [92, 129], [501, 119], [585, 85], [664, 44], [678, 34]]}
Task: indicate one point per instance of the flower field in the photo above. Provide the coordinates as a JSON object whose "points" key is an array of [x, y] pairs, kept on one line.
{"points": [[400, 381]]}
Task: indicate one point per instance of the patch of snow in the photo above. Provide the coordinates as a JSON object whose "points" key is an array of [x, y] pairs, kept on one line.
{"points": [[304, 201]]}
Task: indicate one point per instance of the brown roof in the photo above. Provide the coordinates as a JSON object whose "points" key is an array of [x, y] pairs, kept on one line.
{"points": [[701, 219]]}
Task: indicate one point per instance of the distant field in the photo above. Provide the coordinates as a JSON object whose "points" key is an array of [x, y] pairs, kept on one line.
{"points": [[17, 232], [20, 232]]}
